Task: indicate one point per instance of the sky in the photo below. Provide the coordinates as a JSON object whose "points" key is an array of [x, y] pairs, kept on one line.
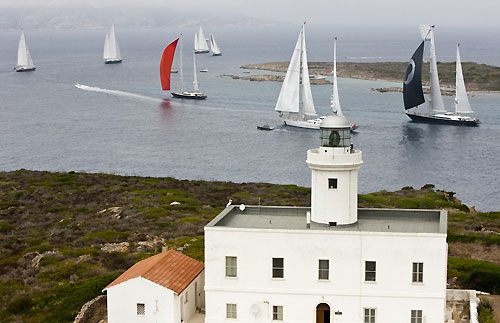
{"points": [[478, 13]]}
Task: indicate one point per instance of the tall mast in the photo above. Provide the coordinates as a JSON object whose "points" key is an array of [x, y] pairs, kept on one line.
{"points": [[180, 66], [195, 79]]}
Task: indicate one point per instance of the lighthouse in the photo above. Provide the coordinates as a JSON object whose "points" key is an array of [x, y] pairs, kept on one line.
{"points": [[334, 166]]}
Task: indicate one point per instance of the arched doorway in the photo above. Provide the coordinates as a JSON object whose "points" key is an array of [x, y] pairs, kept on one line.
{"points": [[322, 313]]}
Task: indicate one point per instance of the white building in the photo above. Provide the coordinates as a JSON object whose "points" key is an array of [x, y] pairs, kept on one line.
{"points": [[332, 262], [167, 288]]}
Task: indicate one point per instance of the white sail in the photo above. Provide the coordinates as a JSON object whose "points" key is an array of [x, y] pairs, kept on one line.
{"points": [[462, 104], [288, 100], [201, 41], [195, 79], [111, 49], [307, 99], [335, 97], [23, 54], [436, 104], [213, 46]]}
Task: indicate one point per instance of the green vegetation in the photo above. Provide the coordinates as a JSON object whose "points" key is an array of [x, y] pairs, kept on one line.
{"points": [[65, 236], [478, 77], [485, 312]]}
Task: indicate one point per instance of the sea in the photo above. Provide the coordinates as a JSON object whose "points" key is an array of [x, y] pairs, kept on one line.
{"points": [[119, 121]]}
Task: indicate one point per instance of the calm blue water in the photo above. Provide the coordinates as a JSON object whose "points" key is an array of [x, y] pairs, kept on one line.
{"points": [[46, 123]]}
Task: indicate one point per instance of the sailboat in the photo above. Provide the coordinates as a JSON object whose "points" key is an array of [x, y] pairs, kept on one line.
{"points": [[214, 47], [24, 61], [111, 50], [200, 42], [288, 106], [335, 93], [413, 94], [183, 94]]}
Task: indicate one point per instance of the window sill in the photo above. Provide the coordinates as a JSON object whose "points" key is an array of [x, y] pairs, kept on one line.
{"points": [[228, 277], [417, 283], [370, 282], [277, 278], [323, 280]]}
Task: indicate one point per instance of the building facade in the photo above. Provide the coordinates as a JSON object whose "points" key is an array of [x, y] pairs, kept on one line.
{"points": [[332, 262]]}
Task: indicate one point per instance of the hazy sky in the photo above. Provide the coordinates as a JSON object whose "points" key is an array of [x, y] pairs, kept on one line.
{"points": [[482, 13]]}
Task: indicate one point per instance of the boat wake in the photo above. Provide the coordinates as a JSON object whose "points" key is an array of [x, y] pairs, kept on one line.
{"points": [[116, 92]]}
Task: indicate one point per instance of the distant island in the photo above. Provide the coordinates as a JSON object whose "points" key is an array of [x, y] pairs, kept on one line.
{"points": [[478, 77], [271, 77]]}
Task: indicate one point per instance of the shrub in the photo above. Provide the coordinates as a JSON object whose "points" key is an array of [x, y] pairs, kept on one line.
{"points": [[20, 304]]}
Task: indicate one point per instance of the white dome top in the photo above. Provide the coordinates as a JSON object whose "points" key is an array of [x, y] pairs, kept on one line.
{"points": [[335, 121]]}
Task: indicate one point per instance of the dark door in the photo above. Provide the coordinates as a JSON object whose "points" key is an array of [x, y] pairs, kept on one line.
{"points": [[322, 313]]}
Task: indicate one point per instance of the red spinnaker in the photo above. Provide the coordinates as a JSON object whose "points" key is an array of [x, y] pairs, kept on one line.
{"points": [[166, 64]]}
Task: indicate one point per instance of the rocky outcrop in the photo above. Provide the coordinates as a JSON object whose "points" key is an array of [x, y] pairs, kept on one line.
{"points": [[94, 311]]}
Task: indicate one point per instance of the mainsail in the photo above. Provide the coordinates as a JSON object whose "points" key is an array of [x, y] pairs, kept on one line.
{"points": [[111, 49], [436, 104], [288, 100], [307, 99], [213, 46], [200, 41], [166, 64], [462, 104], [412, 85], [23, 54], [335, 96]]}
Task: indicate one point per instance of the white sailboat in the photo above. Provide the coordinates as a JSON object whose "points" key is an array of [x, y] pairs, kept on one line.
{"points": [[214, 47], [183, 94], [413, 95], [200, 42], [24, 61], [288, 106], [111, 50]]}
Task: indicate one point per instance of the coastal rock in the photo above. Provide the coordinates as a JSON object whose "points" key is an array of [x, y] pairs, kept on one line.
{"points": [[115, 247], [272, 78]]}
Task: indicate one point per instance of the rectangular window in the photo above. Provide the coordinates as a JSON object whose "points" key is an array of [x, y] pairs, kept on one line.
{"points": [[332, 183], [370, 271], [278, 268], [324, 269], [231, 266], [277, 313], [141, 309], [416, 316], [369, 315], [231, 311], [418, 272]]}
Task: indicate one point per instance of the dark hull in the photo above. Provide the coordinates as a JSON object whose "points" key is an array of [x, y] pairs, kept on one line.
{"points": [[113, 62], [437, 120], [266, 128], [26, 69], [187, 96], [217, 54], [201, 51]]}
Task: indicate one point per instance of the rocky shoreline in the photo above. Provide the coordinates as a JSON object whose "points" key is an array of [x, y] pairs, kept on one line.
{"points": [[271, 77], [478, 77]]}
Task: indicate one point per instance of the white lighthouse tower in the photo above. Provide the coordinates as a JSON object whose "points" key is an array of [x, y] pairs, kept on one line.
{"points": [[334, 166]]}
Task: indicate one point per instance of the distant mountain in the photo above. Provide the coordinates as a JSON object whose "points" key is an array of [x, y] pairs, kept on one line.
{"points": [[86, 17]]}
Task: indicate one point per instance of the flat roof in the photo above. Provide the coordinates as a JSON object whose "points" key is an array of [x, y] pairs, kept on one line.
{"points": [[369, 220]]}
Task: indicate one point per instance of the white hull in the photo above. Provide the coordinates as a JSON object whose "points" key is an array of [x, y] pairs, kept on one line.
{"points": [[306, 124], [25, 68]]}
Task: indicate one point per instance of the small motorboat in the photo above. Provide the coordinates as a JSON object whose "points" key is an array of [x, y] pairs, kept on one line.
{"points": [[265, 127], [203, 70]]}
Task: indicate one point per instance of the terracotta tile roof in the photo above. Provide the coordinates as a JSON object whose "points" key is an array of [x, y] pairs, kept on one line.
{"points": [[170, 269]]}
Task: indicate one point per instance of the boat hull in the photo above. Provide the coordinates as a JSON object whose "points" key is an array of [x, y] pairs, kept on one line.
{"points": [[189, 95], [310, 124], [25, 69], [112, 61], [201, 51], [431, 119], [220, 54]]}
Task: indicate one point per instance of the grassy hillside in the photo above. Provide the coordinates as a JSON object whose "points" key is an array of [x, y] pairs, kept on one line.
{"points": [[478, 77], [65, 236]]}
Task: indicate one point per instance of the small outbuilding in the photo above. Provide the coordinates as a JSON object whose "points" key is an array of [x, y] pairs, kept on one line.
{"points": [[167, 287]]}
